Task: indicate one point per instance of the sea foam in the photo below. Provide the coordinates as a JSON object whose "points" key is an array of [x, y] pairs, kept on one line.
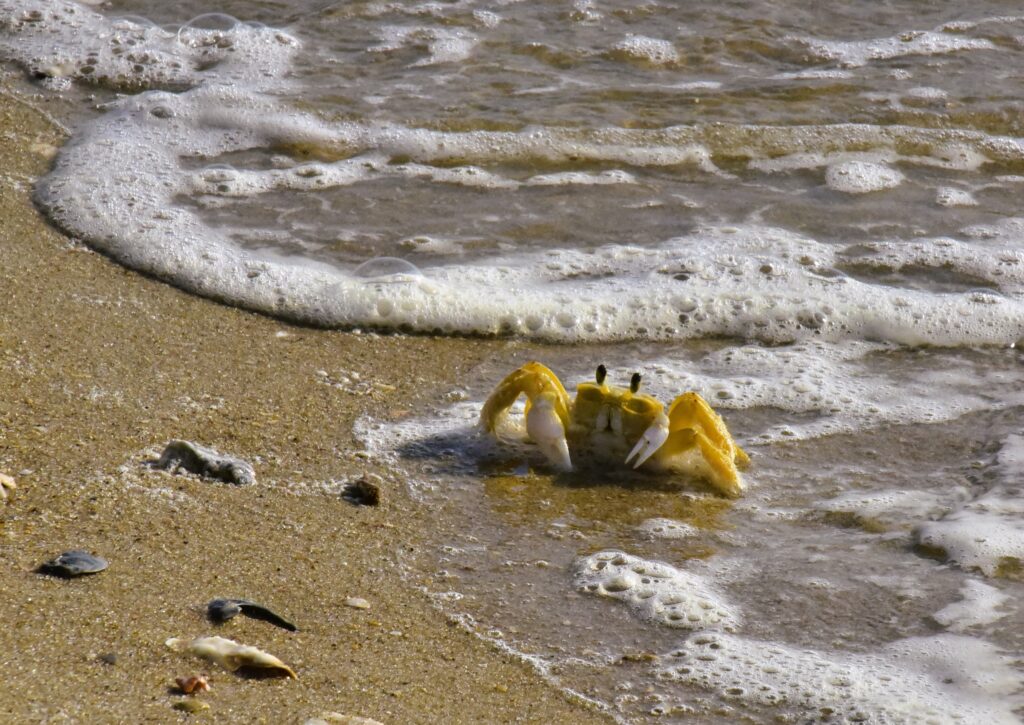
{"points": [[986, 535], [752, 282], [987, 532], [656, 591], [119, 183], [947, 679]]}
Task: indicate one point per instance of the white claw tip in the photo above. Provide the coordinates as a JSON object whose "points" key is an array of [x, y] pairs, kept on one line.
{"points": [[650, 441], [545, 428]]}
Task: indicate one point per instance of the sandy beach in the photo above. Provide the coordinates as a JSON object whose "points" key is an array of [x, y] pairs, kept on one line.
{"points": [[317, 236], [99, 368]]}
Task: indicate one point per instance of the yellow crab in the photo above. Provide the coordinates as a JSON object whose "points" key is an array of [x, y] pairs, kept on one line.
{"points": [[691, 438]]}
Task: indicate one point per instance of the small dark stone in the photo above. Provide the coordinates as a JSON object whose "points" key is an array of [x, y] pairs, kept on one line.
{"points": [[193, 458], [221, 610], [73, 563], [108, 658], [362, 492]]}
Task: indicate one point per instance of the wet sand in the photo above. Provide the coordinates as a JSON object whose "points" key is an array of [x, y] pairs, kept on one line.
{"points": [[99, 368]]}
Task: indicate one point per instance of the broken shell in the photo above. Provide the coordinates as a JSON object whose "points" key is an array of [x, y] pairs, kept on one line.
{"points": [[6, 484], [193, 458], [221, 610], [337, 718], [194, 684], [73, 563], [233, 656]]}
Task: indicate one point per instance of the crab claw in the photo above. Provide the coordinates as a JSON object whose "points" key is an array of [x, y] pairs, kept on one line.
{"points": [[545, 428], [650, 441]]}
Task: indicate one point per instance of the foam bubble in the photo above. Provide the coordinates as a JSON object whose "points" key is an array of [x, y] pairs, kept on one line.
{"points": [[1000, 266], [979, 606], [388, 268], [987, 533], [858, 177], [921, 680], [1009, 231], [860, 52], [316, 176], [57, 38], [649, 50], [813, 74], [926, 94], [957, 154], [667, 529], [655, 591], [581, 178], [798, 161], [431, 245], [444, 45], [889, 505]]}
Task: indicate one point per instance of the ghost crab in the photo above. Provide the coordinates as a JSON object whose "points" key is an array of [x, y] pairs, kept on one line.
{"points": [[690, 438]]}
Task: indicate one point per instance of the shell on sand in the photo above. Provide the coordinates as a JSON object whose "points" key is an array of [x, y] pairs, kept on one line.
{"points": [[74, 563], [6, 484], [232, 655], [337, 718]]}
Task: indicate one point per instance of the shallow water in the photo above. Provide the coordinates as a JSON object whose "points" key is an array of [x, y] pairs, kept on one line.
{"points": [[808, 215]]}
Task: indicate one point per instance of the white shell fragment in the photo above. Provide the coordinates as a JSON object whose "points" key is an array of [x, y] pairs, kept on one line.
{"points": [[232, 655], [6, 484], [337, 718], [915, 681], [206, 462]]}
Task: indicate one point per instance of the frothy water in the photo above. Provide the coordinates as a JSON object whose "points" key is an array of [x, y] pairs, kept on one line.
{"points": [[809, 215], [868, 574]]}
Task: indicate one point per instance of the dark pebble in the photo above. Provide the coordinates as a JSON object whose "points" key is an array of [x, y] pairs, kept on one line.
{"points": [[74, 563], [362, 492], [221, 610]]}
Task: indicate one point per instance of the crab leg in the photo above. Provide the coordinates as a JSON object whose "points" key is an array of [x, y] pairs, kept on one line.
{"points": [[722, 469], [545, 428], [532, 379], [727, 478], [692, 411], [650, 441]]}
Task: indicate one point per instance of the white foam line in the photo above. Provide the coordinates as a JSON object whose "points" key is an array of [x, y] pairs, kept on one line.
{"points": [[115, 185]]}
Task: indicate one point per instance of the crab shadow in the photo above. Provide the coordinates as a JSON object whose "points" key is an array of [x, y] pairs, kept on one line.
{"points": [[466, 451], [609, 474], [460, 445]]}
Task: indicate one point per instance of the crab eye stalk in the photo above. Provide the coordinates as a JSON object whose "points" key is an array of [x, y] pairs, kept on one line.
{"points": [[601, 374], [634, 382]]}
